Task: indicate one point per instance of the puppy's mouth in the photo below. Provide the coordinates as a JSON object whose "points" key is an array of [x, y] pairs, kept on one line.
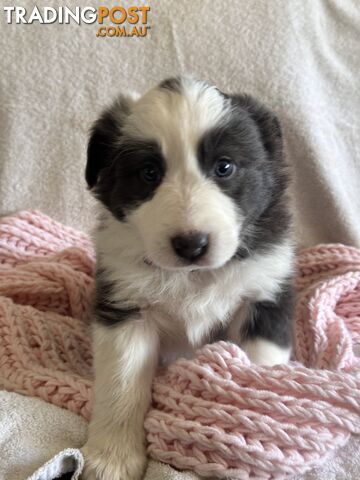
{"points": [[182, 265]]}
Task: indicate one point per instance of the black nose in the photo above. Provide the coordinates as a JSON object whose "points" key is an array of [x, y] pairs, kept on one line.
{"points": [[191, 246]]}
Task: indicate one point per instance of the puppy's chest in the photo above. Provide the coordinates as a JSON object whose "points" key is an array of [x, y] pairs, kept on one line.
{"points": [[207, 297], [196, 307]]}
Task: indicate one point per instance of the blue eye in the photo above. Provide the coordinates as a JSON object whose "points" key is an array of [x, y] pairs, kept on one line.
{"points": [[224, 168], [150, 173]]}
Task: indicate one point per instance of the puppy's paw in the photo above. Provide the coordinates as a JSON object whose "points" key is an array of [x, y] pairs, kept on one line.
{"points": [[266, 353], [120, 462]]}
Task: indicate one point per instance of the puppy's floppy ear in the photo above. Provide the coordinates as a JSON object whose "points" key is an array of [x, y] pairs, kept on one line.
{"points": [[267, 123], [104, 137]]}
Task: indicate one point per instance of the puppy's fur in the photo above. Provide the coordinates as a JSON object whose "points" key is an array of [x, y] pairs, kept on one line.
{"points": [[185, 161]]}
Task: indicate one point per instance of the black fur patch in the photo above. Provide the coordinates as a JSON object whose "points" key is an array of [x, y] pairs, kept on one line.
{"points": [[272, 320], [172, 84], [114, 165], [103, 140], [251, 138], [121, 188], [106, 311]]}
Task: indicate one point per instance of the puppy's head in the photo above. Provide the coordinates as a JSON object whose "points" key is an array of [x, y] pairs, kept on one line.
{"points": [[190, 169]]}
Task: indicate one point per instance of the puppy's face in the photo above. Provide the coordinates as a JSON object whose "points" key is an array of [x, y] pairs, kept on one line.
{"points": [[190, 169]]}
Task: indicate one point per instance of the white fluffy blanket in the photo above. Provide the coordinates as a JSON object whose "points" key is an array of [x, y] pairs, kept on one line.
{"points": [[39, 441]]}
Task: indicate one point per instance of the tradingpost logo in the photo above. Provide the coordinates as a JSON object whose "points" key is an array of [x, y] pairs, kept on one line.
{"points": [[115, 21]]}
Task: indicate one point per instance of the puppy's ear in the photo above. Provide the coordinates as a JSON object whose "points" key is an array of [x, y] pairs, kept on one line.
{"points": [[267, 123], [104, 137]]}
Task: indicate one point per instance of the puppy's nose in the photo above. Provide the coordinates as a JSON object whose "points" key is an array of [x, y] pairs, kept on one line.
{"points": [[191, 246]]}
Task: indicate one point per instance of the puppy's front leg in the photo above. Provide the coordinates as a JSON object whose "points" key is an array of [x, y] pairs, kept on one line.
{"points": [[264, 329], [125, 359], [267, 333]]}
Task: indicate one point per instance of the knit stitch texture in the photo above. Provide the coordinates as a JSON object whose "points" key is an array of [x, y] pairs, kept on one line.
{"points": [[216, 414]]}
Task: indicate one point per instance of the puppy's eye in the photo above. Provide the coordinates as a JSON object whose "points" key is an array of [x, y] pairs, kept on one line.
{"points": [[150, 173], [224, 168]]}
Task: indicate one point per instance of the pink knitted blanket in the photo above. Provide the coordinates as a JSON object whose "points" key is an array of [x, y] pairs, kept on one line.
{"points": [[216, 414]]}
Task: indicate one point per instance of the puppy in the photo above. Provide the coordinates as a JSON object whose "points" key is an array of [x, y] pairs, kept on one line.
{"points": [[193, 245]]}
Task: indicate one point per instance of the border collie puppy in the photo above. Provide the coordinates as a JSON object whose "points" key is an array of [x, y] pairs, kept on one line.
{"points": [[193, 245]]}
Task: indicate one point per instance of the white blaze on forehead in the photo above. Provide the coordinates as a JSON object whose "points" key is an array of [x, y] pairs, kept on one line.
{"points": [[177, 120]]}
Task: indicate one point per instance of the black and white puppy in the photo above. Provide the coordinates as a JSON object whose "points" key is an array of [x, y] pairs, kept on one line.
{"points": [[193, 244]]}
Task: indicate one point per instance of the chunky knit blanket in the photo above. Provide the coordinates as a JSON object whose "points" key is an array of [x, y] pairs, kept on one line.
{"points": [[216, 414]]}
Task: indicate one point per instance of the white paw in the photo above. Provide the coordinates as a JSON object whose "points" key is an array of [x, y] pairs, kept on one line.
{"points": [[266, 353], [119, 462]]}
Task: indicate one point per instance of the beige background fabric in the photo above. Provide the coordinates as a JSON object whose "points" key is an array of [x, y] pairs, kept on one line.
{"points": [[299, 57]]}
